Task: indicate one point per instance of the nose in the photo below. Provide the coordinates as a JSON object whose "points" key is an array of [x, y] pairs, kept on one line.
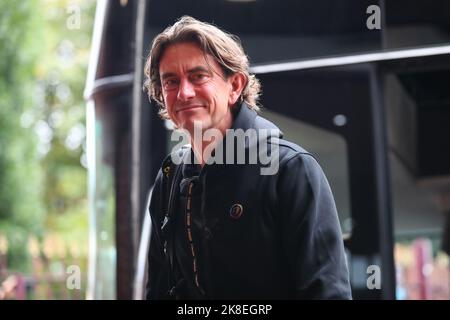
{"points": [[185, 90]]}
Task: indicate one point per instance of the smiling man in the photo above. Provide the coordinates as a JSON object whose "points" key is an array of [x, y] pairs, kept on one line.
{"points": [[194, 90], [226, 231]]}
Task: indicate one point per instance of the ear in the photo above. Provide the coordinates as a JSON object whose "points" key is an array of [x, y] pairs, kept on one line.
{"points": [[238, 81]]}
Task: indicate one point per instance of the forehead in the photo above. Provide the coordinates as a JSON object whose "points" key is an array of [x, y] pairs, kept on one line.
{"points": [[184, 56]]}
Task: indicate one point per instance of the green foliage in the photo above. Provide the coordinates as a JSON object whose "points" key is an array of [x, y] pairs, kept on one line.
{"points": [[21, 207], [61, 77], [43, 63]]}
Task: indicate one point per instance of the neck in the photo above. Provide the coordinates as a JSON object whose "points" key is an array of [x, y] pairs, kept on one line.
{"points": [[199, 150], [200, 144]]}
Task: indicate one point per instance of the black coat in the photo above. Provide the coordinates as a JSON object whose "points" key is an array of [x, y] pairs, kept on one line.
{"points": [[243, 235]]}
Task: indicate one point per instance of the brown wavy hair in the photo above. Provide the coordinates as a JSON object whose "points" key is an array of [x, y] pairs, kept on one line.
{"points": [[225, 48]]}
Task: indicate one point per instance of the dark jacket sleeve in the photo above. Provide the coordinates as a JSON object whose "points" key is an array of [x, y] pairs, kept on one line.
{"points": [[157, 281], [312, 237]]}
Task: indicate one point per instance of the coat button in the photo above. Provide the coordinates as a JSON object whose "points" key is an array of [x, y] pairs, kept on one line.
{"points": [[236, 211]]}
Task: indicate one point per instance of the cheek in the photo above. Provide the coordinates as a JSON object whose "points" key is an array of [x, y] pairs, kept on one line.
{"points": [[217, 96], [166, 97], [169, 103]]}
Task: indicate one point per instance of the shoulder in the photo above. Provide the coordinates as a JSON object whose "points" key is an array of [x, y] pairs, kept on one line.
{"points": [[168, 167], [291, 152], [172, 160], [296, 161]]}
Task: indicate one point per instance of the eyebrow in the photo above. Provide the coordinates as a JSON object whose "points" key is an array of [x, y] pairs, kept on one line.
{"points": [[192, 70]]}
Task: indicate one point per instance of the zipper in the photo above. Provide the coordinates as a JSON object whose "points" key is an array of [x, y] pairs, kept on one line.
{"points": [[190, 239], [206, 238]]}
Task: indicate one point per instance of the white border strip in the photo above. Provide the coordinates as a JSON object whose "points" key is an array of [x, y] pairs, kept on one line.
{"points": [[92, 172], [136, 126], [144, 244], [346, 60], [100, 15]]}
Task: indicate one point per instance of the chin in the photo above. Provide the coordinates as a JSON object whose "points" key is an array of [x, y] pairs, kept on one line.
{"points": [[190, 124]]}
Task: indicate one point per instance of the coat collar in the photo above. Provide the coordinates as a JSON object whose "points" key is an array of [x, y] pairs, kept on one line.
{"points": [[245, 118]]}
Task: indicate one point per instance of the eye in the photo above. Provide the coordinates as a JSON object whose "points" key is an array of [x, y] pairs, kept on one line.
{"points": [[170, 84], [199, 78]]}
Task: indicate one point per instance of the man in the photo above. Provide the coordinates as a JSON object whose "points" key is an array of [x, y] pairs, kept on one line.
{"points": [[224, 229]]}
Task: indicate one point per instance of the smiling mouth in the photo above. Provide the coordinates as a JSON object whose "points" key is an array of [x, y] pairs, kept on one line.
{"points": [[189, 108]]}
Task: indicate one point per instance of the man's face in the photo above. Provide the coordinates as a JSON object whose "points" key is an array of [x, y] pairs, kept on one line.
{"points": [[194, 88]]}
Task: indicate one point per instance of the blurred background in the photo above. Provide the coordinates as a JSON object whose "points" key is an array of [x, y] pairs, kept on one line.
{"points": [[363, 85], [44, 54]]}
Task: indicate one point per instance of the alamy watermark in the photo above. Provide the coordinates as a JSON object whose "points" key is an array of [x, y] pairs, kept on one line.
{"points": [[253, 146], [73, 280], [73, 21], [373, 22], [374, 279]]}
